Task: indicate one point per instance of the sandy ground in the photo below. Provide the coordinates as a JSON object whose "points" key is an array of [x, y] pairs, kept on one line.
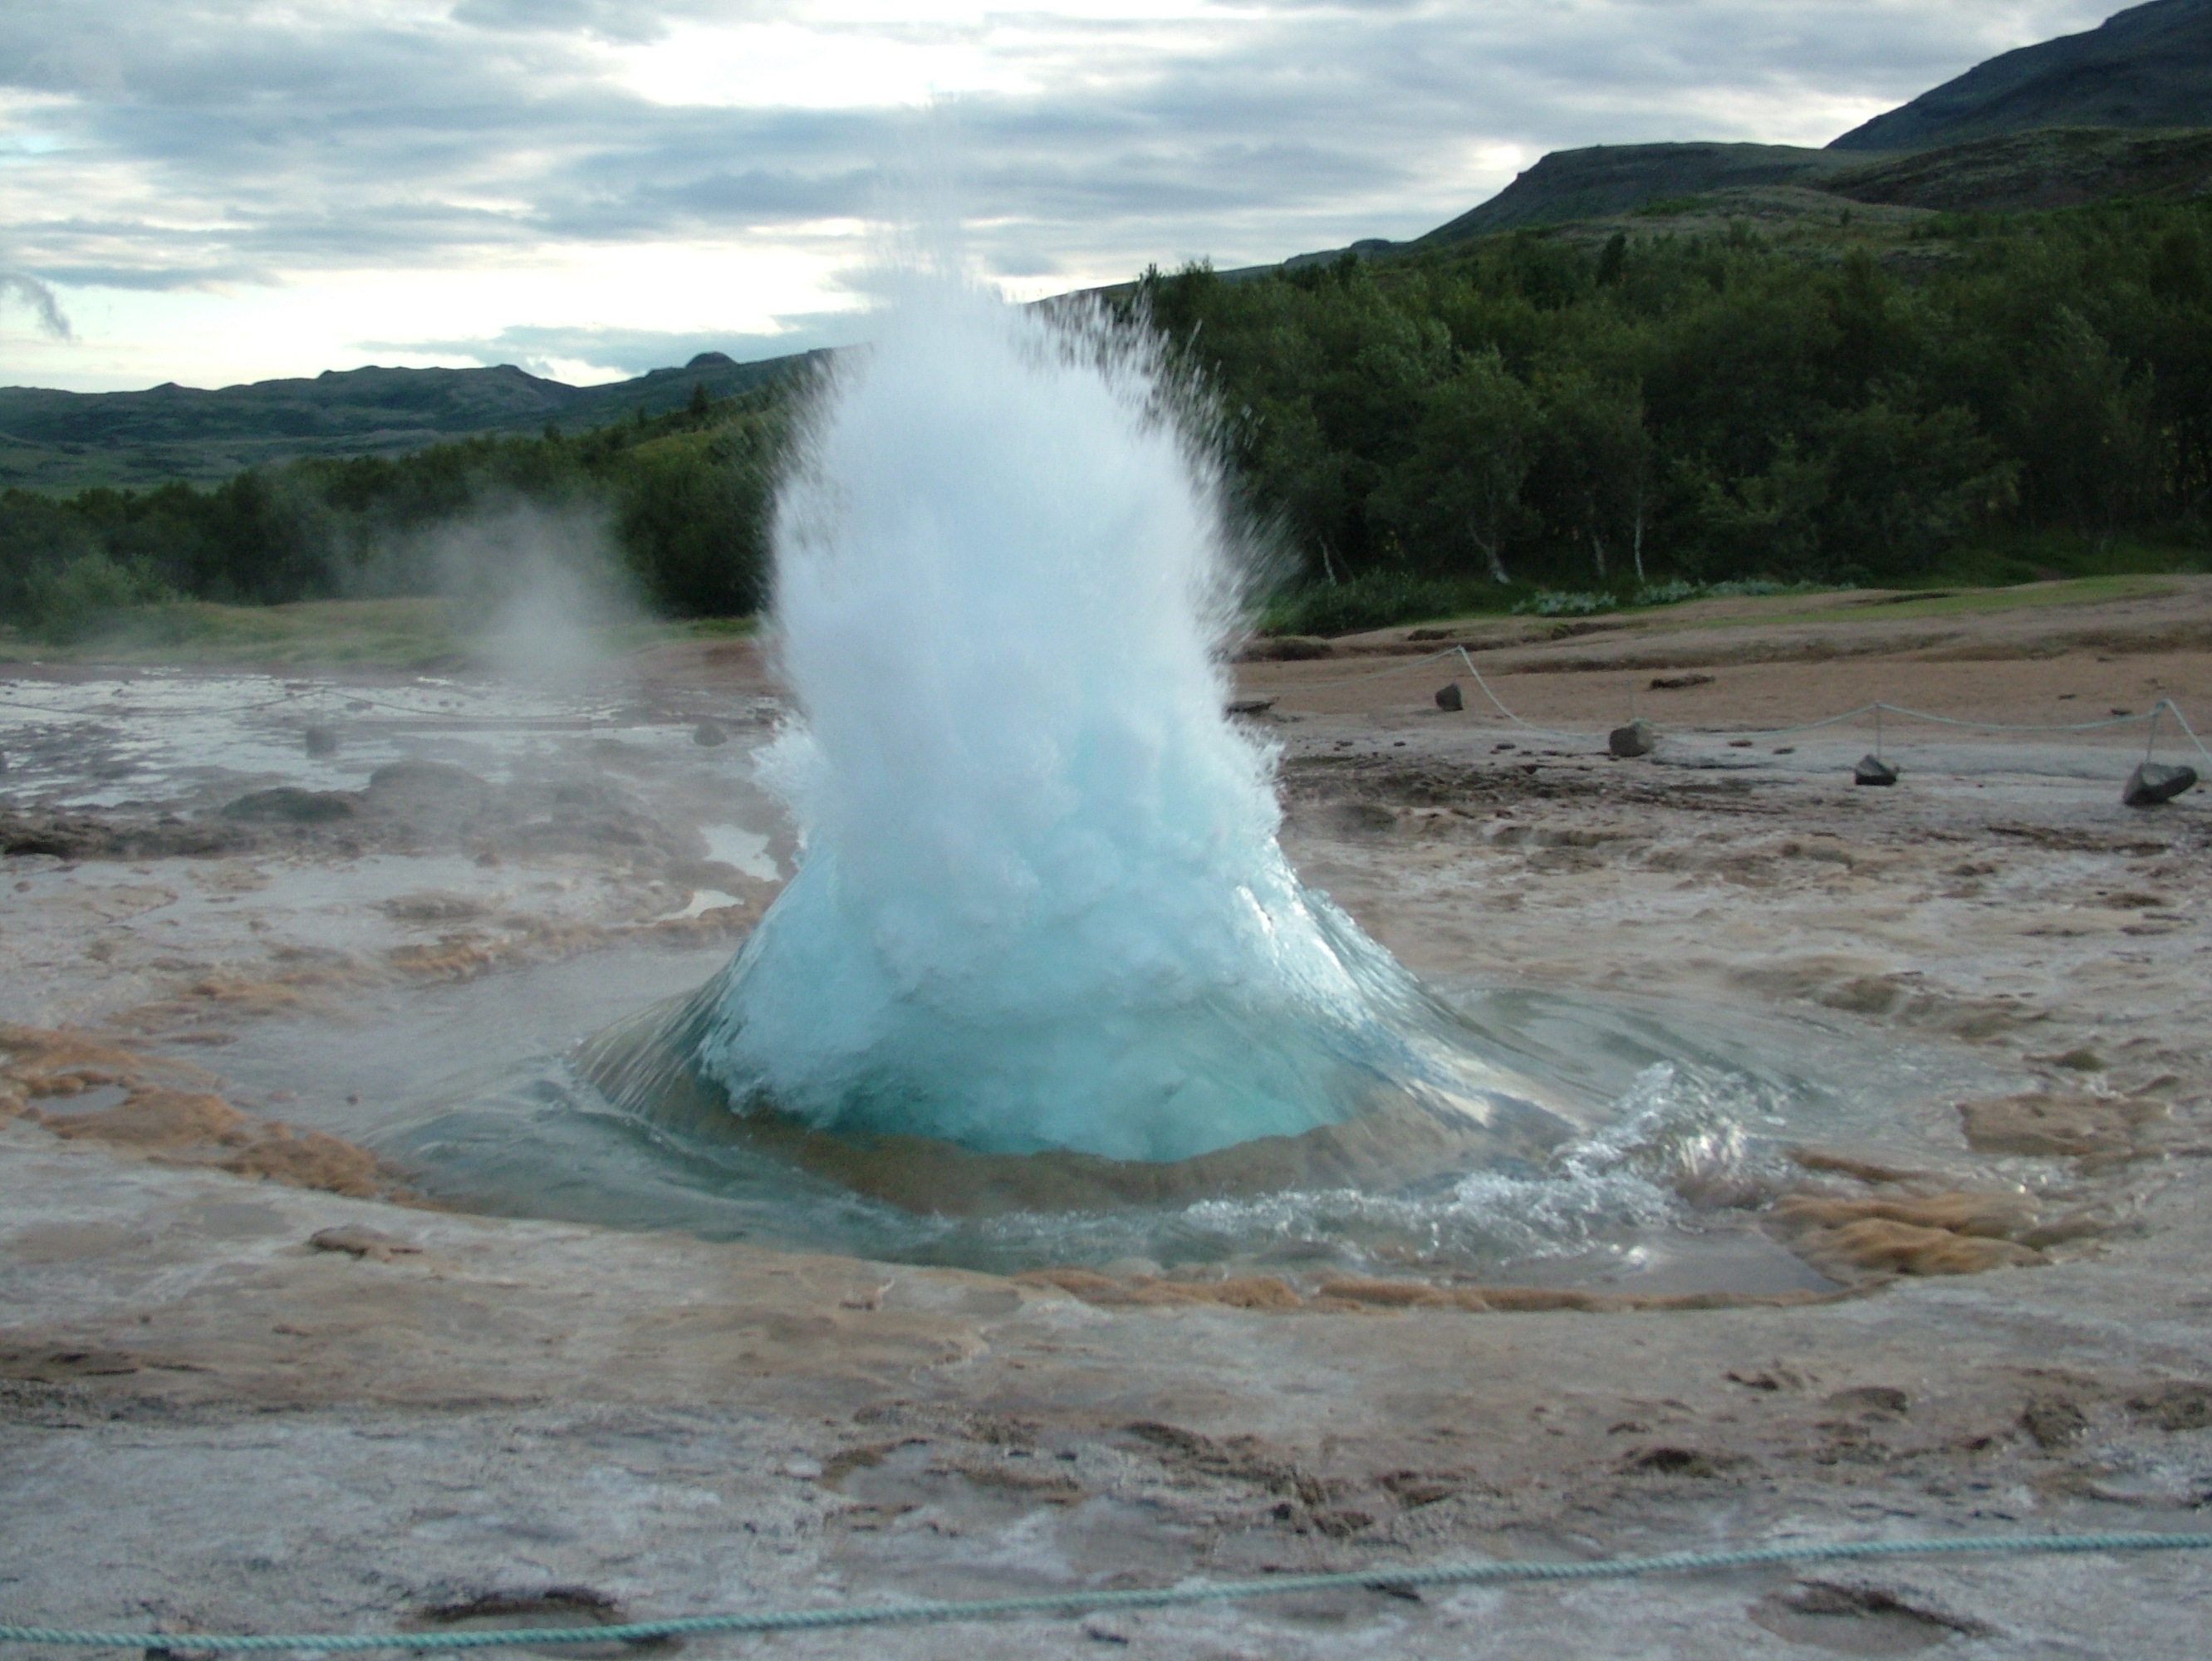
{"points": [[245, 1383]]}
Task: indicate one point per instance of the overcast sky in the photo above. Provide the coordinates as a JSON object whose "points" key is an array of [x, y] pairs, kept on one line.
{"points": [[220, 190]]}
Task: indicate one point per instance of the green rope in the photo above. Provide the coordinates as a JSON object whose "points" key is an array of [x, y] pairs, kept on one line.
{"points": [[1072, 1603]]}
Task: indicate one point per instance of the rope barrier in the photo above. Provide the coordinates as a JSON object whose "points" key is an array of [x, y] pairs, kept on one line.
{"points": [[1876, 708], [1070, 1602], [1399, 668]]}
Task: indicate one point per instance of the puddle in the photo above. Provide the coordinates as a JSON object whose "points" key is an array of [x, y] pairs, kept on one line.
{"points": [[747, 850], [162, 736], [1679, 1100], [706, 900], [97, 1100]]}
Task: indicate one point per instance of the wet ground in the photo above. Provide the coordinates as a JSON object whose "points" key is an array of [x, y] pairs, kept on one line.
{"points": [[1920, 1252]]}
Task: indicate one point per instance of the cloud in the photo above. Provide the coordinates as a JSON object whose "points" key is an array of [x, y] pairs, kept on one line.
{"points": [[205, 143], [36, 298], [556, 351]]}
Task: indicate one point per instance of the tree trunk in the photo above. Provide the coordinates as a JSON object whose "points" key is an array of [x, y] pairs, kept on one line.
{"points": [[1490, 552], [1597, 552]]}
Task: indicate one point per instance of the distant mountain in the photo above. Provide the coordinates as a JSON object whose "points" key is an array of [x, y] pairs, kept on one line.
{"points": [[64, 440], [1985, 141], [1618, 178], [2149, 66]]}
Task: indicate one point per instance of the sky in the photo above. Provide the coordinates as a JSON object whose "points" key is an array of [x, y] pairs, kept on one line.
{"points": [[212, 191]]}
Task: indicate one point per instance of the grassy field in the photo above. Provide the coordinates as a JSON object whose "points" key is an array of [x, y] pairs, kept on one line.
{"points": [[1906, 605], [396, 635]]}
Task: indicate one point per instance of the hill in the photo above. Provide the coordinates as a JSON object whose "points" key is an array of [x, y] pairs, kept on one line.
{"points": [[2149, 66], [2122, 98], [2035, 171], [1568, 185], [53, 440]]}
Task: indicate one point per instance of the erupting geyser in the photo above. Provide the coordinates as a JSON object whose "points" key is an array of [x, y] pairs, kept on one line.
{"points": [[1041, 905]]}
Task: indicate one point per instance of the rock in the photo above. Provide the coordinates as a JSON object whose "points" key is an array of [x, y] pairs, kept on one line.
{"points": [[322, 741], [2054, 1422], [302, 807], [1676, 683], [358, 1242], [1636, 738], [413, 778], [2155, 782], [709, 735], [1448, 696], [1872, 770], [1870, 1402], [1286, 649], [1249, 705]]}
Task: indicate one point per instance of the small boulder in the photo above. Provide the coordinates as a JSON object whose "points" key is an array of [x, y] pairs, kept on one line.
{"points": [[1872, 770], [710, 734], [424, 778], [289, 802], [1249, 705], [1448, 696], [1285, 649], [1636, 738], [358, 1242], [322, 741], [2155, 782]]}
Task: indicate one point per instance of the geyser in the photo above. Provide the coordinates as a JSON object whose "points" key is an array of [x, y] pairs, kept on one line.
{"points": [[1040, 903]]}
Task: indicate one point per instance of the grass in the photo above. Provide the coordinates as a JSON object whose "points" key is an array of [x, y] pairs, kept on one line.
{"points": [[1982, 601], [2052, 569], [417, 633]]}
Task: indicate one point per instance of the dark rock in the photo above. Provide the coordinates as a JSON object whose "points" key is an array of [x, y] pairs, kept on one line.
{"points": [[1636, 738], [2182, 1406], [1677, 1462], [322, 741], [301, 807], [1676, 683], [1448, 696], [1872, 770], [1286, 649], [2054, 1422], [359, 1242], [1250, 706], [81, 836], [424, 778], [709, 734], [2155, 782]]}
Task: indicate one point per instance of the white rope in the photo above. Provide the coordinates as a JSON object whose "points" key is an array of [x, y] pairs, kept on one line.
{"points": [[1547, 732], [1878, 707], [1399, 668]]}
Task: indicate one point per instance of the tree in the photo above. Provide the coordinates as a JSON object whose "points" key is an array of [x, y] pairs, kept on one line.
{"points": [[1597, 461], [1474, 442]]}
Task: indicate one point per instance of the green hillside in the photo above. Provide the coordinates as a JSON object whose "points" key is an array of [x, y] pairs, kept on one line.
{"points": [[2149, 66], [62, 440], [1605, 179]]}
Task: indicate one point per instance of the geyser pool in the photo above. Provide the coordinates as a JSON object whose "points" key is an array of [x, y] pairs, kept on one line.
{"points": [[1041, 905]]}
